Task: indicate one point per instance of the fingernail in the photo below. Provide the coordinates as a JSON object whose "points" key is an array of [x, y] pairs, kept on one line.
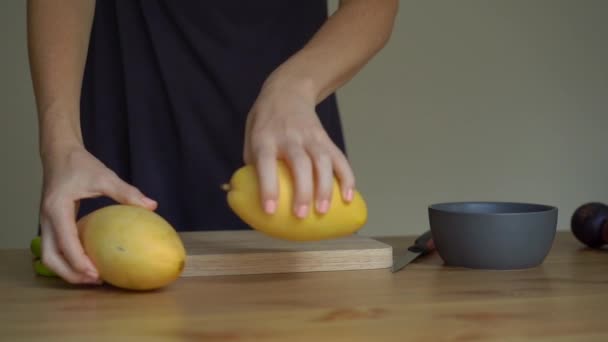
{"points": [[301, 211], [148, 202], [323, 206], [92, 274], [349, 195], [270, 206]]}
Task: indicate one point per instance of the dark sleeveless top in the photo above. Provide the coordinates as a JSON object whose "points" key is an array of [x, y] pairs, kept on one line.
{"points": [[167, 88]]}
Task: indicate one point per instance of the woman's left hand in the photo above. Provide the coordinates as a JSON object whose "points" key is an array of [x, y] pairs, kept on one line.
{"points": [[283, 124]]}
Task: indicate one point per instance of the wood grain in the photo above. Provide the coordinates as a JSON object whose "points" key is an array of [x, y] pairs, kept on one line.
{"points": [[251, 252], [564, 299]]}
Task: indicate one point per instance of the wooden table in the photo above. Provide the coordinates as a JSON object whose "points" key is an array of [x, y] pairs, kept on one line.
{"points": [[565, 299]]}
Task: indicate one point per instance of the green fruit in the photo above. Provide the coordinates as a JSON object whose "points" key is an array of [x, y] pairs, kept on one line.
{"points": [[42, 270], [35, 247]]}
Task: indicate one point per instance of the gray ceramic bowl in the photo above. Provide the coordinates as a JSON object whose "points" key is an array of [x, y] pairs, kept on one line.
{"points": [[492, 235]]}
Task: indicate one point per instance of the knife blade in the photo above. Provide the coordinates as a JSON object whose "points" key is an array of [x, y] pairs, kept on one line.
{"points": [[422, 245]]}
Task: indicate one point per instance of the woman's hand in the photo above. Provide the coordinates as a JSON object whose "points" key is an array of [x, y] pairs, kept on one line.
{"points": [[283, 124], [69, 176]]}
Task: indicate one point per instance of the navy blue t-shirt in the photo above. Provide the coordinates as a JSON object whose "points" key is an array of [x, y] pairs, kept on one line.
{"points": [[167, 89]]}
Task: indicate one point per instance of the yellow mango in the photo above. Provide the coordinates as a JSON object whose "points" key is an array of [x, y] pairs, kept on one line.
{"points": [[132, 247], [342, 219]]}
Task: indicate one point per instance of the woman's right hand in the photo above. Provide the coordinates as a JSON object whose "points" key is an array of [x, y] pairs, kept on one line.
{"points": [[69, 176]]}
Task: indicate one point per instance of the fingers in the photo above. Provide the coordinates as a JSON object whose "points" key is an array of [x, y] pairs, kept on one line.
{"points": [[344, 173], [312, 170], [62, 221], [313, 160], [302, 173], [323, 177], [266, 165], [124, 193], [53, 259]]}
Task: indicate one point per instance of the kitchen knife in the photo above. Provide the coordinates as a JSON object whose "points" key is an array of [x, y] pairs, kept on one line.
{"points": [[422, 246]]}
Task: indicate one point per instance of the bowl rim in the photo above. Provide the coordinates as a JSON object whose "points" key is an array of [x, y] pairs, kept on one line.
{"points": [[541, 208]]}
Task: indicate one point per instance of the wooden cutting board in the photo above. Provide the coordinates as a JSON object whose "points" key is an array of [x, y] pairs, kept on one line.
{"points": [[251, 252]]}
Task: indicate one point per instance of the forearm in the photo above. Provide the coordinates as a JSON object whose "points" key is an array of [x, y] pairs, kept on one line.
{"points": [[341, 47], [58, 37]]}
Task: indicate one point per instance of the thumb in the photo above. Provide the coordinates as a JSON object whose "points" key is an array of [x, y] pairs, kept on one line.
{"points": [[124, 193]]}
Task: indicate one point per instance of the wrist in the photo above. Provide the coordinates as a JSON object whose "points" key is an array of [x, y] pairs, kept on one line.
{"points": [[286, 85], [59, 132], [58, 149], [57, 141]]}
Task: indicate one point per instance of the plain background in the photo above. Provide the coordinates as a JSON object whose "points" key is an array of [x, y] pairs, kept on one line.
{"points": [[471, 100]]}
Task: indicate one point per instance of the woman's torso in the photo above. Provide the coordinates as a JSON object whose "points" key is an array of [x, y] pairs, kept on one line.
{"points": [[167, 88]]}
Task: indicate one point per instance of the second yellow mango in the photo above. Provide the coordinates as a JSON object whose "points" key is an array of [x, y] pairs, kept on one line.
{"points": [[342, 219]]}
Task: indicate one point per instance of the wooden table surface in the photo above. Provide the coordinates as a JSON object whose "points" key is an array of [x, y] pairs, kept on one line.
{"points": [[565, 299]]}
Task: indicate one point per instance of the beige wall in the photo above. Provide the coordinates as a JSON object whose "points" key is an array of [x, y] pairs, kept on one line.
{"points": [[20, 181], [471, 100]]}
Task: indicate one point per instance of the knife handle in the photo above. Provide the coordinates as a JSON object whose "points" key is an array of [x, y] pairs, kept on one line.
{"points": [[424, 244]]}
